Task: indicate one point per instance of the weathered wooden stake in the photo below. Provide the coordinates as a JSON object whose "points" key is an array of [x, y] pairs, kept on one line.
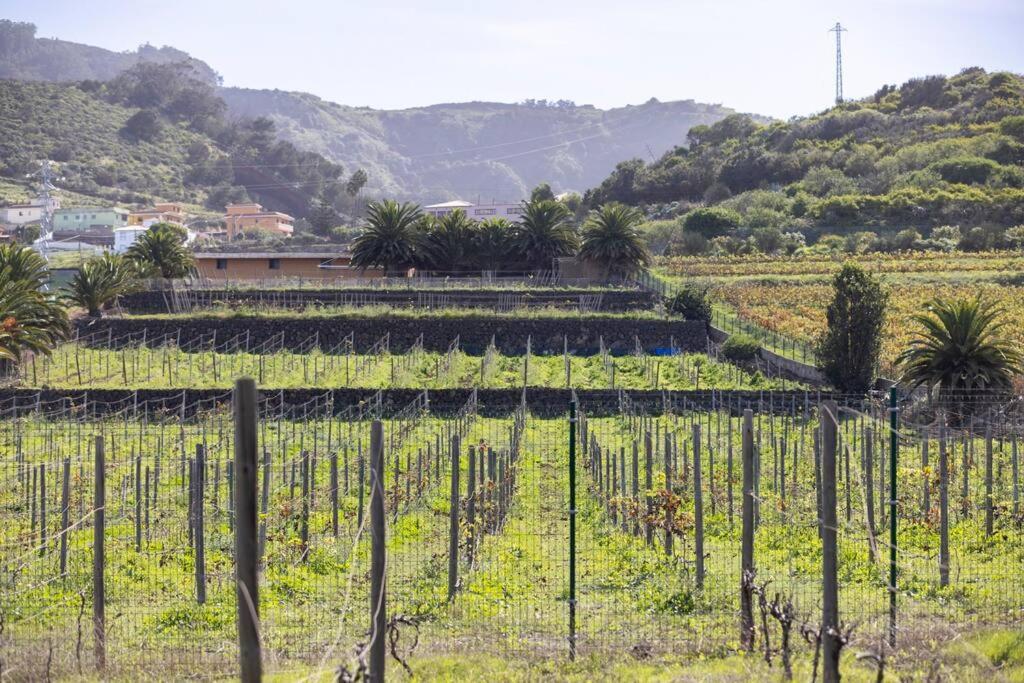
{"points": [[453, 520], [747, 544], [247, 551], [99, 501], [378, 588], [698, 508], [830, 636]]}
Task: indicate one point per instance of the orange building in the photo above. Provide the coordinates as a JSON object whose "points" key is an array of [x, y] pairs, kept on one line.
{"points": [[165, 212], [241, 218], [327, 265]]}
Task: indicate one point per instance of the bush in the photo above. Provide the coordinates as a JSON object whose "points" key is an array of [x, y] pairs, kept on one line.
{"points": [[143, 125], [711, 221], [691, 303], [849, 349], [740, 348]]}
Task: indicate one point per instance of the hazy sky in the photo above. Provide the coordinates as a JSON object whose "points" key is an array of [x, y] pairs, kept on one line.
{"points": [[773, 57]]}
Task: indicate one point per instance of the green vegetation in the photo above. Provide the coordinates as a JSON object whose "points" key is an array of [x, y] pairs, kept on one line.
{"points": [[849, 350], [934, 151], [161, 252], [960, 348], [100, 282], [691, 302], [33, 320], [740, 348], [611, 240]]}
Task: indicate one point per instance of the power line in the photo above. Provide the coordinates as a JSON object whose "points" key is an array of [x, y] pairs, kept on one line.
{"points": [[838, 30]]}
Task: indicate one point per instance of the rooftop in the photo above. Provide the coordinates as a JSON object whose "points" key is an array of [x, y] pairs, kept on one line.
{"points": [[323, 254]]}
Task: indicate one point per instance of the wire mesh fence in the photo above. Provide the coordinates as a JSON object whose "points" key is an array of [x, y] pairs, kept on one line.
{"points": [[477, 515]]}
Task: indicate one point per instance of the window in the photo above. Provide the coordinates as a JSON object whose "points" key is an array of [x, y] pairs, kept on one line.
{"points": [[483, 212], [222, 264], [275, 264], [515, 210]]}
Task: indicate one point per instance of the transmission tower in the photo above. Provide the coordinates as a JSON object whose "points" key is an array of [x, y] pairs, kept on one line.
{"points": [[838, 30]]}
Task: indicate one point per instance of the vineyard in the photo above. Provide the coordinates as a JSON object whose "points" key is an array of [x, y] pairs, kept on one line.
{"points": [[664, 507], [788, 296], [657, 544]]}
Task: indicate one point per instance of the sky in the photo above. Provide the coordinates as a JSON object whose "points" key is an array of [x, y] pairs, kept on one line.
{"points": [[771, 57]]}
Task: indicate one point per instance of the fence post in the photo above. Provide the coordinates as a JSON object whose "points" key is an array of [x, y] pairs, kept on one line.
{"points": [[943, 510], [893, 455], [453, 521], [747, 547], [99, 499], [572, 529], [198, 477], [829, 567], [246, 534], [698, 507], [648, 483], [378, 590], [669, 521], [989, 511], [65, 513]]}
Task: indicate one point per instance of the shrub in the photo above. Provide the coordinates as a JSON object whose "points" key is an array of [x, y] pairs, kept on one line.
{"points": [[711, 221], [691, 303], [849, 349], [740, 348]]}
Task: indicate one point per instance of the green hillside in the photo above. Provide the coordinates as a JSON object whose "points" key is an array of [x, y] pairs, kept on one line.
{"points": [[932, 151]]}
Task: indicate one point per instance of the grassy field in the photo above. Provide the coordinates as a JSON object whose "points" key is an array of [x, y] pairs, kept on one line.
{"points": [[639, 608]]}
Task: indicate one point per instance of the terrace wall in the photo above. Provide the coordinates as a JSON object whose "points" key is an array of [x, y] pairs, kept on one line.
{"points": [[583, 333]]}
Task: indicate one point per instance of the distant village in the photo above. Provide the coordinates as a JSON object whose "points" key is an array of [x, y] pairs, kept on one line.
{"points": [[220, 250]]}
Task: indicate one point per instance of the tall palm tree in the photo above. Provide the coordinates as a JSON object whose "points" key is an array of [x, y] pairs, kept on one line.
{"points": [[544, 233], [612, 240], [492, 244], [449, 241], [100, 282], [161, 252], [960, 350], [392, 237], [31, 320], [24, 264]]}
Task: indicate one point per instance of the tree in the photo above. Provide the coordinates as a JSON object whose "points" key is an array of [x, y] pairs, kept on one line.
{"points": [[541, 192], [492, 243], [356, 182], [711, 221], [31, 320], [143, 125], [958, 349], [690, 303], [322, 216], [100, 281], [543, 233], [849, 349], [449, 241], [392, 237], [612, 239], [161, 252]]}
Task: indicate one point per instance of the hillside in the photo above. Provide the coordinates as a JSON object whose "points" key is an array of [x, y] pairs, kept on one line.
{"points": [[27, 58], [932, 151], [474, 149]]}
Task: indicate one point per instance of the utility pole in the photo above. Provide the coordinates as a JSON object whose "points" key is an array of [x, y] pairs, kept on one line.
{"points": [[45, 198], [839, 30]]}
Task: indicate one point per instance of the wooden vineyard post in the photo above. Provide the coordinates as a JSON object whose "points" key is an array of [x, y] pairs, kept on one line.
{"points": [[648, 483], [138, 503], [304, 521], [943, 510], [698, 508], [334, 493], [65, 514], [668, 495], [893, 462], [830, 636], [989, 502], [99, 628], [572, 529], [264, 503], [378, 588], [471, 504], [636, 486], [453, 520], [747, 547], [247, 548], [198, 474]]}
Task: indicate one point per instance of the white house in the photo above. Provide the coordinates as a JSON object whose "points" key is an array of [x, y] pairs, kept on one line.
{"points": [[126, 236], [477, 212], [21, 214]]}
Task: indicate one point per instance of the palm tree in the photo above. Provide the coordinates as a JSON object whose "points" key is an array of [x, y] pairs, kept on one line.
{"points": [[100, 282], [392, 237], [544, 233], [449, 241], [161, 252], [492, 244], [31, 320], [612, 240], [960, 350]]}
